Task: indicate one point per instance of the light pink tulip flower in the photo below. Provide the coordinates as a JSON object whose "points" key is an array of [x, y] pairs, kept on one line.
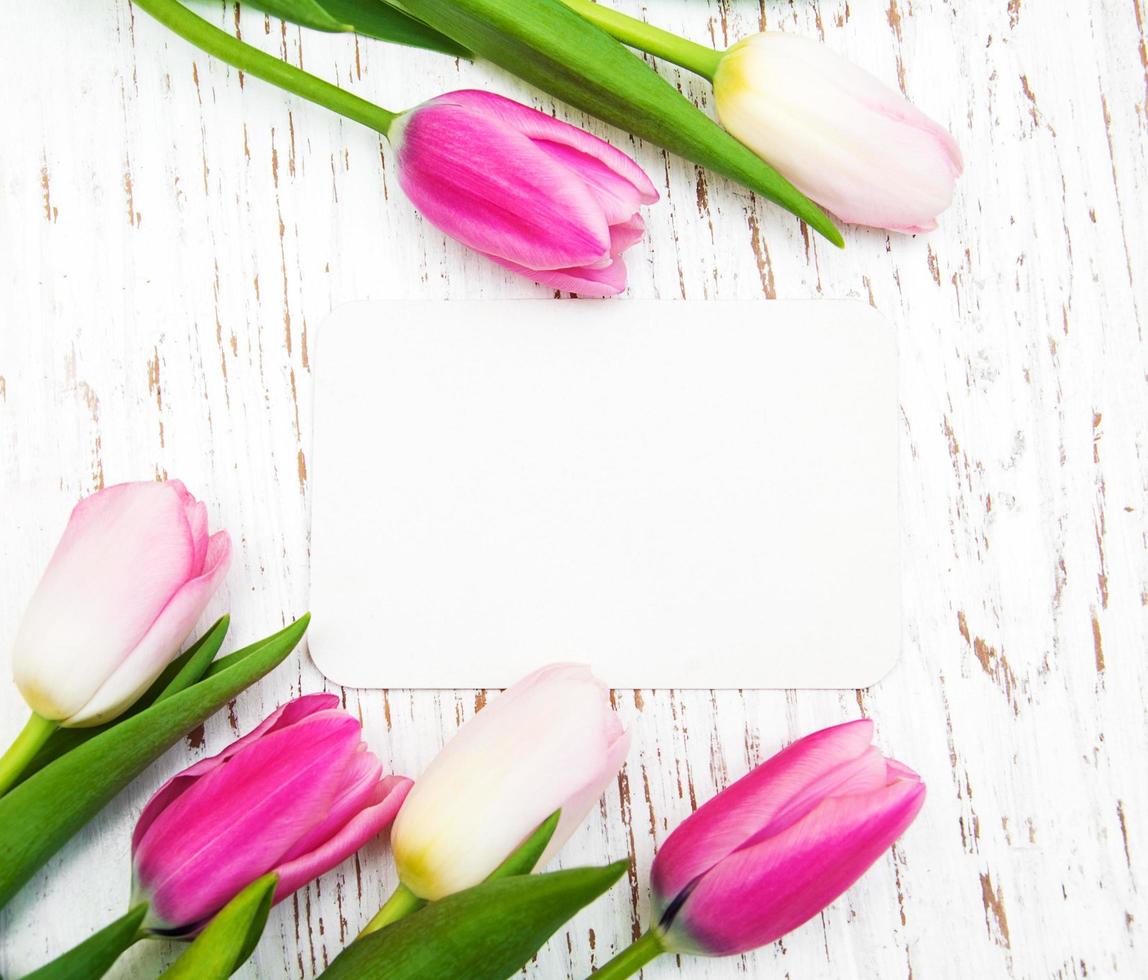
{"points": [[296, 796], [132, 573], [550, 742], [780, 844], [538, 196], [843, 138]]}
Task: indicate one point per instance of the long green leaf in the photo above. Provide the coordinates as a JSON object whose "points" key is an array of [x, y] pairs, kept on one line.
{"points": [[190, 669], [306, 13], [526, 856], [235, 657], [371, 18], [43, 812], [229, 938], [548, 45], [484, 933], [181, 673], [96, 954]]}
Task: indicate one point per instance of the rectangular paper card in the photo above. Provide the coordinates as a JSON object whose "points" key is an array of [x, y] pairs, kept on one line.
{"points": [[681, 494]]}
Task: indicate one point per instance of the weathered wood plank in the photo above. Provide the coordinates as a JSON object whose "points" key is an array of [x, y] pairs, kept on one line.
{"points": [[172, 234]]}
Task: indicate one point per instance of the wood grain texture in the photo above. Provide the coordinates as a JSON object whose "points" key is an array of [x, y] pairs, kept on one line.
{"points": [[173, 232]]}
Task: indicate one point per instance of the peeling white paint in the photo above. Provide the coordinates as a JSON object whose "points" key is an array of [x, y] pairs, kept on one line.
{"points": [[169, 237]]}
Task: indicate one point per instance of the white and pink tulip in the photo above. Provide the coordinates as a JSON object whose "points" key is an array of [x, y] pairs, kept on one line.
{"points": [[551, 742], [842, 137], [134, 570]]}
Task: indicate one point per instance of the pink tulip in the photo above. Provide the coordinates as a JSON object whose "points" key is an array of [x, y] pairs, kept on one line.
{"points": [[538, 196], [844, 138], [550, 742], [296, 796], [132, 573], [781, 843]]}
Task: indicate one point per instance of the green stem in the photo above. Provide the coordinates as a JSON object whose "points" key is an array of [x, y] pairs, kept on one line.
{"points": [[638, 34], [236, 53], [96, 954], [632, 958], [30, 740], [401, 904]]}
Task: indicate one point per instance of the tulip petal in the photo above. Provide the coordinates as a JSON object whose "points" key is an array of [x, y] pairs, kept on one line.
{"points": [[125, 552], [759, 893], [162, 641], [592, 157], [196, 512], [625, 234], [238, 820], [864, 774], [494, 190], [609, 280], [282, 717], [359, 783], [747, 806], [617, 197], [854, 144], [545, 743], [582, 800], [898, 770], [367, 824]]}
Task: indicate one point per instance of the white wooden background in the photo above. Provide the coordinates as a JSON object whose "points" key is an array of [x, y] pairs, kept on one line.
{"points": [[171, 234]]}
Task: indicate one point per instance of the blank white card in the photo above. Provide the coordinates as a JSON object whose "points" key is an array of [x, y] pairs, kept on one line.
{"points": [[680, 494]]}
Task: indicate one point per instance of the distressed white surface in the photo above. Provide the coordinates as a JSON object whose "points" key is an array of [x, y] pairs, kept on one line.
{"points": [[171, 232]]}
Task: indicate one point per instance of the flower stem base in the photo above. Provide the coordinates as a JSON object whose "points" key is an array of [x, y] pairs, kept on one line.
{"points": [[30, 740], [645, 37], [401, 904], [635, 956]]}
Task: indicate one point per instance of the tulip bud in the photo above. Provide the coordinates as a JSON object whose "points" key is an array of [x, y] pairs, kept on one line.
{"points": [[132, 573], [550, 742], [538, 196], [848, 141], [772, 850], [294, 797]]}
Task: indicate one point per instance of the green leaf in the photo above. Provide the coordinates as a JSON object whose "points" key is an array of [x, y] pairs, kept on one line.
{"points": [[306, 13], [235, 657], [229, 938], [190, 667], [182, 672], [371, 18], [484, 933], [527, 855], [95, 955], [550, 46], [521, 862], [43, 812]]}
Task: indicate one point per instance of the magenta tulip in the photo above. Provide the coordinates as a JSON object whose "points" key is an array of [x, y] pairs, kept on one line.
{"points": [[781, 843], [538, 196], [772, 850], [132, 573], [295, 797]]}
